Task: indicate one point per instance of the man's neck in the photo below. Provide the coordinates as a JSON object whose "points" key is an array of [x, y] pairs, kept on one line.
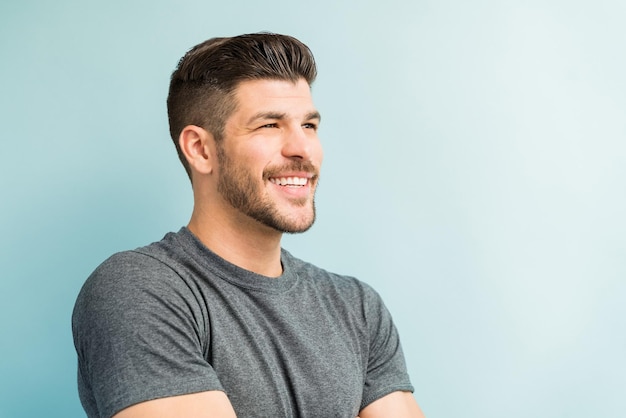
{"points": [[243, 242]]}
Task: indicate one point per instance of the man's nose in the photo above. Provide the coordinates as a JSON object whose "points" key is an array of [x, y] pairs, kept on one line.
{"points": [[299, 143]]}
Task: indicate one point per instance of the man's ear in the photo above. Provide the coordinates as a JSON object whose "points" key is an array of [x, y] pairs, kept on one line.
{"points": [[198, 146]]}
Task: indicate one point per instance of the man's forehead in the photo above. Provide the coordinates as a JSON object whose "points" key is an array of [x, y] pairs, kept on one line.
{"points": [[275, 99]]}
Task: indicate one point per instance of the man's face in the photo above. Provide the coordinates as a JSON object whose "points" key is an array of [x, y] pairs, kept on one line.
{"points": [[270, 155]]}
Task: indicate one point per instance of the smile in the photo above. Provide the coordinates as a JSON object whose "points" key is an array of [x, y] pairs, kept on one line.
{"points": [[289, 181]]}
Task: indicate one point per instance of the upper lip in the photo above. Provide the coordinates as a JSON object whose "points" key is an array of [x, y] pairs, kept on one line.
{"points": [[301, 174]]}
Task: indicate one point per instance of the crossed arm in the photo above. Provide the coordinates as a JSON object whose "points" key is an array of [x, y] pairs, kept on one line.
{"points": [[215, 404]]}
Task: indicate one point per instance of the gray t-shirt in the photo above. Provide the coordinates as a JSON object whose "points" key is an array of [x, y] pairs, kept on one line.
{"points": [[174, 318]]}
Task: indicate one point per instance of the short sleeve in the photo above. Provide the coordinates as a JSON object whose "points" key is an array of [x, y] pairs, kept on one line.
{"points": [[140, 334], [386, 367]]}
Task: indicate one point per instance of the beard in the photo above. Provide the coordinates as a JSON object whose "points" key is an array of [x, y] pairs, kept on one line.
{"points": [[242, 190]]}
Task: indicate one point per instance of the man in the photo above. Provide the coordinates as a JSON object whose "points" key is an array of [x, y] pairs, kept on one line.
{"points": [[217, 320]]}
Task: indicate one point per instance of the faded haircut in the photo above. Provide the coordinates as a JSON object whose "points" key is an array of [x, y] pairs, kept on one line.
{"points": [[203, 84]]}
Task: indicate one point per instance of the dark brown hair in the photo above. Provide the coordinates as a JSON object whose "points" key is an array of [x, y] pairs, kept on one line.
{"points": [[202, 86]]}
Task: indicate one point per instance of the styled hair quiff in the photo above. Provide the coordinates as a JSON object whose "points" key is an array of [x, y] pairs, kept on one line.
{"points": [[203, 84]]}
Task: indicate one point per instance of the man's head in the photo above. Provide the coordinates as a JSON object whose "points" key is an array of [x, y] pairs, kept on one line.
{"points": [[203, 85]]}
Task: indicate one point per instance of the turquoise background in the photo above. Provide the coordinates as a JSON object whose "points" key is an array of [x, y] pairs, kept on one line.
{"points": [[474, 174]]}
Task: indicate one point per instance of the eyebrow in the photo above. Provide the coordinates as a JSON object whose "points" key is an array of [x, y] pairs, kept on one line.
{"points": [[314, 115], [281, 116]]}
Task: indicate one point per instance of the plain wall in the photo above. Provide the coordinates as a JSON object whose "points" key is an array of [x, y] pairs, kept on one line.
{"points": [[474, 175]]}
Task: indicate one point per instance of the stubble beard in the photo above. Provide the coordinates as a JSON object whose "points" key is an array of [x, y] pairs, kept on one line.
{"points": [[243, 192]]}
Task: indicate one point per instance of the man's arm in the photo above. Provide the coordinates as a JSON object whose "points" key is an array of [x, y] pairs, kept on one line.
{"points": [[396, 404], [209, 404]]}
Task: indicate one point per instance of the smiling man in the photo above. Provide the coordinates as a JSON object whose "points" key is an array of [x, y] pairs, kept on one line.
{"points": [[217, 320]]}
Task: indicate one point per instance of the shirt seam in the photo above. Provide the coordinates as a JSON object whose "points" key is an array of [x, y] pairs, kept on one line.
{"points": [[384, 392], [162, 391]]}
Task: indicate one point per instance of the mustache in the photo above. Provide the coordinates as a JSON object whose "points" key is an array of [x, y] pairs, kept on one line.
{"points": [[295, 166]]}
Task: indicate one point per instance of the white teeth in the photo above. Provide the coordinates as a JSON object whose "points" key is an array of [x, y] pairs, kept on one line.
{"points": [[289, 181]]}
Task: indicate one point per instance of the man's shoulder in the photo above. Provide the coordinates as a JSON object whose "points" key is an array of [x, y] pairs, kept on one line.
{"points": [[320, 277], [129, 268]]}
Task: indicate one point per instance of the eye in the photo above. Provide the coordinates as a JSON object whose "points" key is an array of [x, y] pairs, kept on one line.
{"points": [[269, 125], [310, 126]]}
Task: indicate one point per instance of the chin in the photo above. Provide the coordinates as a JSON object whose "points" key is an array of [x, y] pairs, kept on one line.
{"points": [[293, 226], [298, 230]]}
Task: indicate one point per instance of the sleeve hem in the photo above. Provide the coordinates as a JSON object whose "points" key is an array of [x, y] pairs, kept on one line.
{"points": [[157, 393], [374, 396]]}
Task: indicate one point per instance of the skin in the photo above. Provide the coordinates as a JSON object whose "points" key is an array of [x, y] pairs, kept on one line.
{"points": [[240, 212], [273, 133]]}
